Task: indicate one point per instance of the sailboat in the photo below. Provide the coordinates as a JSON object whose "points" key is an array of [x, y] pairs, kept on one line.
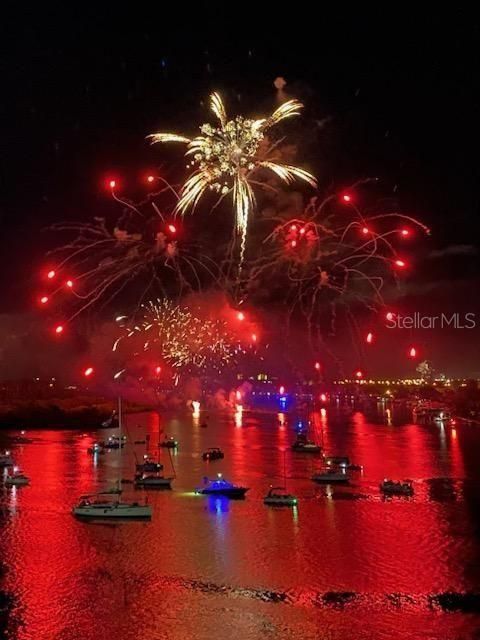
{"points": [[108, 504], [274, 498], [149, 475]]}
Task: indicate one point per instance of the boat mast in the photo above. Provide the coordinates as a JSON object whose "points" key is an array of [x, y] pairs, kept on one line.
{"points": [[119, 481]]}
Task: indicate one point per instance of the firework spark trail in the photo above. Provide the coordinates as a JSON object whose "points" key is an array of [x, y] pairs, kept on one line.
{"points": [[322, 258], [224, 159], [184, 340]]}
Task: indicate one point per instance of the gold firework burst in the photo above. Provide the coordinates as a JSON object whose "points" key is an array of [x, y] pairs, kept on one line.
{"points": [[224, 158]]}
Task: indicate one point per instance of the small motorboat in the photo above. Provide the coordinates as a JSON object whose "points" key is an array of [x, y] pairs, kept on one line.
{"points": [[17, 478], [6, 459], [114, 442], [397, 488], [275, 499], [341, 461], [221, 487], [107, 505], [169, 443], [153, 481], [303, 445], [354, 467], [330, 476], [149, 465], [214, 453]]}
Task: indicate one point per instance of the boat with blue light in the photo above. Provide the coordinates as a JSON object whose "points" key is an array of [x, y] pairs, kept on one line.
{"points": [[221, 487]]}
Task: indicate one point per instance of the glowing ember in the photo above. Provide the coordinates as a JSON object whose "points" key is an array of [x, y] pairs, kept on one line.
{"points": [[51, 274], [346, 197], [150, 178], [405, 232], [240, 315], [186, 342], [365, 230], [195, 408], [69, 284], [281, 390], [412, 352], [359, 374], [369, 338], [59, 329], [112, 184], [88, 372], [318, 366], [172, 228], [400, 263], [44, 299]]}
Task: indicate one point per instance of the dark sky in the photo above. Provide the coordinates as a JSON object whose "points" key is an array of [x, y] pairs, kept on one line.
{"points": [[82, 85]]}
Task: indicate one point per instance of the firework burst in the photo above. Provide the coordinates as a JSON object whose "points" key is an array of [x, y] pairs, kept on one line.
{"points": [[226, 157], [185, 341]]}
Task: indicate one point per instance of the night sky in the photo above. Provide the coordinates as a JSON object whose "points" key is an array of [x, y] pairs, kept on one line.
{"points": [[393, 91]]}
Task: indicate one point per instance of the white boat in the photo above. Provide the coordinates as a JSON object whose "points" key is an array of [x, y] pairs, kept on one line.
{"points": [[330, 476], [17, 479], [107, 504], [275, 499], [390, 487], [6, 459], [430, 411]]}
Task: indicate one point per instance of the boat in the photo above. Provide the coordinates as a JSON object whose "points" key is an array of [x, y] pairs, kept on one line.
{"points": [[273, 498], [221, 487], [214, 453], [6, 459], [303, 445], [279, 499], [430, 411], [169, 443], [114, 442], [354, 467], [108, 504], [330, 476], [149, 465], [392, 487], [17, 478], [341, 461], [153, 481]]}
